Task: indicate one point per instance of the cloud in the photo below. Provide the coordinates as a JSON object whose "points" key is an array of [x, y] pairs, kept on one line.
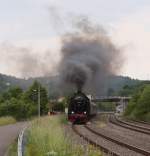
{"points": [[133, 32]]}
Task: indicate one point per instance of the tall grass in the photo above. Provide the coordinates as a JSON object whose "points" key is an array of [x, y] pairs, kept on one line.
{"points": [[47, 138], [7, 120], [12, 150]]}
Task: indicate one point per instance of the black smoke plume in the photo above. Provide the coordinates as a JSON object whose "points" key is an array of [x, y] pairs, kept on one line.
{"points": [[88, 57]]}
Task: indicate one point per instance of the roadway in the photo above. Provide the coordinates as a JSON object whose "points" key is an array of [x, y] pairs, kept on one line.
{"points": [[8, 134]]}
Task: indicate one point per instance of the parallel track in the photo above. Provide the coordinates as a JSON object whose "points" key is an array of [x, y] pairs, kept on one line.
{"points": [[127, 125], [132, 124], [116, 141], [143, 122], [101, 147], [131, 147]]}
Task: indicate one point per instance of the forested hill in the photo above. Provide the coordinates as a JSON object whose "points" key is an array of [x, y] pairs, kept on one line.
{"points": [[115, 83], [7, 81]]}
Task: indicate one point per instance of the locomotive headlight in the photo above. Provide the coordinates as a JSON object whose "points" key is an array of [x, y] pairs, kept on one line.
{"points": [[84, 112], [72, 112]]}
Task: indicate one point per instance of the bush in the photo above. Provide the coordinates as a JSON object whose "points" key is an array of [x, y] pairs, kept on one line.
{"points": [[31, 96], [147, 117], [139, 106], [22, 105], [130, 108]]}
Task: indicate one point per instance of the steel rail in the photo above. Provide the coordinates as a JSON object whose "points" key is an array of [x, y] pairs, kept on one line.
{"points": [[131, 147], [132, 124], [116, 122], [94, 143]]}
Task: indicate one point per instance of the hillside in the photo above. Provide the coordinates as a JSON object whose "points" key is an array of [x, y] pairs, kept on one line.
{"points": [[7, 81], [114, 84]]}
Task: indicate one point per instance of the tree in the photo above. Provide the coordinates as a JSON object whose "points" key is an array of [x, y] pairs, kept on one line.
{"points": [[139, 106], [143, 105], [10, 102], [22, 105], [31, 96], [15, 92]]}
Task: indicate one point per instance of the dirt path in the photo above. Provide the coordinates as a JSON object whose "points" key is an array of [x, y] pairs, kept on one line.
{"points": [[7, 135]]}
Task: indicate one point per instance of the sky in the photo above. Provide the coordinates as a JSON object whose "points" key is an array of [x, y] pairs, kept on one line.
{"points": [[26, 29]]}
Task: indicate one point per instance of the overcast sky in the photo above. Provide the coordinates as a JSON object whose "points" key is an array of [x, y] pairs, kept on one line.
{"points": [[27, 23]]}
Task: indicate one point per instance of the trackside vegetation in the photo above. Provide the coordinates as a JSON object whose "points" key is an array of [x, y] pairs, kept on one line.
{"points": [[139, 107], [12, 150], [22, 104], [7, 120], [46, 137]]}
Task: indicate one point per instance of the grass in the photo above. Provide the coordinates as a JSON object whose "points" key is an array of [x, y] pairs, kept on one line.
{"points": [[47, 138], [7, 120], [12, 150]]}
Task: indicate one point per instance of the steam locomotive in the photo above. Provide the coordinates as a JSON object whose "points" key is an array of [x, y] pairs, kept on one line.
{"points": [[80, 109]]}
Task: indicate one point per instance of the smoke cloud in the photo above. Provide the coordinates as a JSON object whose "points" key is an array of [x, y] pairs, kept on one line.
{"points": [[25, 61], [88, 57]]}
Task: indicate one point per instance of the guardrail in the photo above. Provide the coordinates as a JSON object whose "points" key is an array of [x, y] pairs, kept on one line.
{"points": [[20, 142]]}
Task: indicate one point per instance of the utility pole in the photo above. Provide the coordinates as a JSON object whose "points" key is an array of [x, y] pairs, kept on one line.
{"points": [[39, 100]]}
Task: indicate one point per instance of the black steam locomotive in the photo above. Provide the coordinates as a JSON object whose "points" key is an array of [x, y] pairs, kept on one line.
{"points": [[80, 108]]}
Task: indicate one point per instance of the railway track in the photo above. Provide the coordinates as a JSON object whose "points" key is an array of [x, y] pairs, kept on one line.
{"points": [[95, 144], [127, 125], [142, 122], [138, 123], [133, 124], [108, 144]]}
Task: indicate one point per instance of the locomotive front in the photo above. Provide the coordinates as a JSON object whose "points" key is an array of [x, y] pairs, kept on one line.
{"points": [[79, 108]]}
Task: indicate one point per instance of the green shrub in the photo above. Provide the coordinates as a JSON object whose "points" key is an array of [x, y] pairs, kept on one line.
{"points": [[23, 105], [139, 106], [12, 150], [147, 117], [130, 108]]}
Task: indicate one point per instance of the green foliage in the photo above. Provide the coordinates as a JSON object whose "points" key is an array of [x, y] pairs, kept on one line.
{"points": [[15, 92], [127, 90], [130, 90], [31, 96], [130, 108], [12, 150], [139, 106], [22, 105]]}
